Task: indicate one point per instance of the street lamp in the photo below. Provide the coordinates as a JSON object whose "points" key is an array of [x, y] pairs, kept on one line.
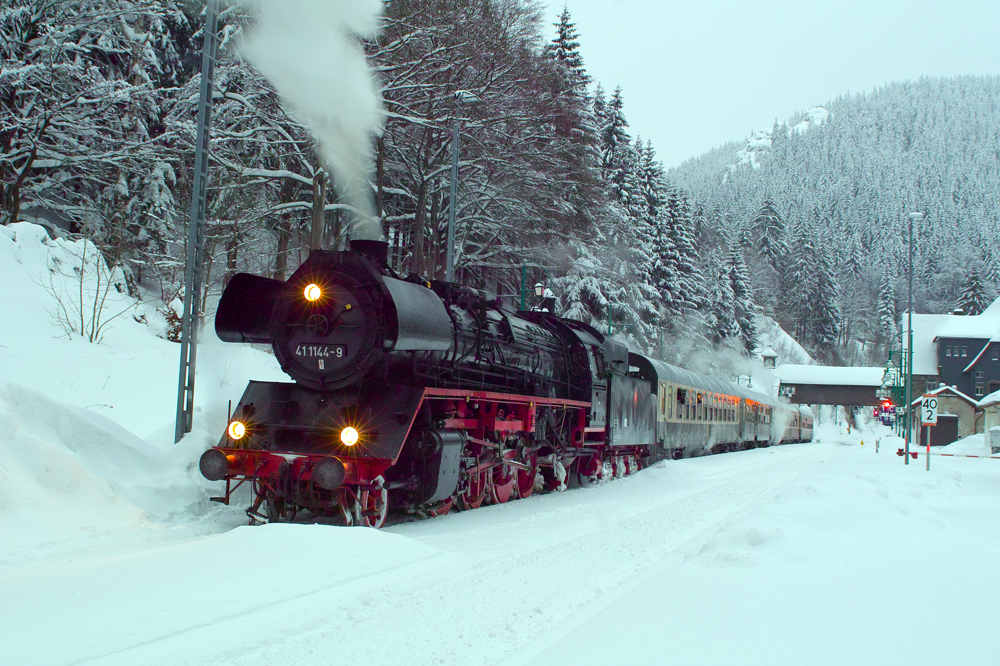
{"points": [[462, 97], [915, 216]]}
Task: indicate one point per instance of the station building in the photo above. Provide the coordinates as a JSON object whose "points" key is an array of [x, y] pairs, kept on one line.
{"points": [[962, 351]]}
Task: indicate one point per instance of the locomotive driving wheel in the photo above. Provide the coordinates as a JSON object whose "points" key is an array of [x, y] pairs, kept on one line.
{"points": [[476, 485], [503, 481], [526, 477], [372, 504], [591, 471]]}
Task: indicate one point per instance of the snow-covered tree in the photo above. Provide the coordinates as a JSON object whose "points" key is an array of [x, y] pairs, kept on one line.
{"points": [[973, 299], [80, 131], [769, 231], [744, 308], [886, 308], [721, 321]]}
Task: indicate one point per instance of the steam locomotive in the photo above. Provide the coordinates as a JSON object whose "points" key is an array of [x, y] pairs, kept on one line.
{"points": [[425, 396]]}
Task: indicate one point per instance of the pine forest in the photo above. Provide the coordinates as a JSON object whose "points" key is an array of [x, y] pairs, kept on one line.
{"points": [[806, 224]]}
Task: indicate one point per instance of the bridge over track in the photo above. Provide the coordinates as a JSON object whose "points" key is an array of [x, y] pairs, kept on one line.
{"points": [[825, 385]]}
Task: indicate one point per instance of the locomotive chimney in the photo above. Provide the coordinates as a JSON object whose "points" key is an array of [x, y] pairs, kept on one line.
{"points": [[377, 250]]}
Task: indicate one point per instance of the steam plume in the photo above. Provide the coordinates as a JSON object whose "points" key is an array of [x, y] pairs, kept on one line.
{"points": [[308, 50]]}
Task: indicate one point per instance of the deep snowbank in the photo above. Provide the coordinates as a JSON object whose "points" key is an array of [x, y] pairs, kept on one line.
{"points": [[65, 471], [72, 464], [131, 376]]}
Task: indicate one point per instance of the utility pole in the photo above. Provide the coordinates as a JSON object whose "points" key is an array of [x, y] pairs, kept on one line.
{"points": [[909, 346], [449, 272], [196, 230], [462, 97]]}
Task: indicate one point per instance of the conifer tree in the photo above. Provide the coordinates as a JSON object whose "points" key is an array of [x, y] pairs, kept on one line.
{"points": [[744, 308], [799, 284], [618, 157], [825, 313], [721, 322], [769, 231], [886, 308], [973, 299]]}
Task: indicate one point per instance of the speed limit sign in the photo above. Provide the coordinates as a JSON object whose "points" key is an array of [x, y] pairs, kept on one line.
{"points": [[928, 410]]}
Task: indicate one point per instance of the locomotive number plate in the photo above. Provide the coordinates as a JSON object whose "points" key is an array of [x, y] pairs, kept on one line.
{"points": [[321, 351]]}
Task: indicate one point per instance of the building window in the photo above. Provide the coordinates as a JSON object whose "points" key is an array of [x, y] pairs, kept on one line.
{"points": [[965, 351], [979, 374], [979, 390], [996, 354], [947, 351]]}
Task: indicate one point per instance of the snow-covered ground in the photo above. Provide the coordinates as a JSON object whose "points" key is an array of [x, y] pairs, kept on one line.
{"points": [[111, 553]]}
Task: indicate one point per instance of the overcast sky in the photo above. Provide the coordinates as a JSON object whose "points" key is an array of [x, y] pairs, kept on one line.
{"points": [[696, 74]]}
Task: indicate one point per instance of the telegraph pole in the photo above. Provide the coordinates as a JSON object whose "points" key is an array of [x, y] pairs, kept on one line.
{"points": [[196, 229]]}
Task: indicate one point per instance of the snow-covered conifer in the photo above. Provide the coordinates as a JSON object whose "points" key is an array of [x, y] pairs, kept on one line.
{"points": [[744, 308], [973, 299]]}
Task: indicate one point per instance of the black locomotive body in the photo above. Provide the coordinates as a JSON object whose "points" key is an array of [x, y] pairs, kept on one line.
{"points": [[425, 394], [430, 395]]}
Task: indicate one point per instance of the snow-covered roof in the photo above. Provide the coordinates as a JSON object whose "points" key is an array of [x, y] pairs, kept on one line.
{"points": [[769, 353], [944, 389], [985, 325], [928, 328], [925, 332], [991, 399], [829, 376]]}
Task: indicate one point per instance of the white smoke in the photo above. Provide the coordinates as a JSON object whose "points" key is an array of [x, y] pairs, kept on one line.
{"points": [[309, 51]]}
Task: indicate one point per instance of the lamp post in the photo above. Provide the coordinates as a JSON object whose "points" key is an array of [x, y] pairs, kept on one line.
{"points": [[909, 345], [524, 279], [462, 97]]}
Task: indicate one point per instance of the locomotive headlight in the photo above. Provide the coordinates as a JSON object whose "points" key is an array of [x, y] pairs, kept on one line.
{"points": [[349, 436], [236, 430], [312, 292]]}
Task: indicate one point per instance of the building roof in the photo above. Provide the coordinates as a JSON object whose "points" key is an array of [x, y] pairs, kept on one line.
{"points": [[949, 389], [991, 399], [829, 376], [928, 328]]}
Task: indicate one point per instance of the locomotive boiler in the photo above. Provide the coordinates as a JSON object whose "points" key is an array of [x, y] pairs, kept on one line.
{"points": [[417, 395]]}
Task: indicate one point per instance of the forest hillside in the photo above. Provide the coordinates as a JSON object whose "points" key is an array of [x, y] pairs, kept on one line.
{"points": [[819, 205]]}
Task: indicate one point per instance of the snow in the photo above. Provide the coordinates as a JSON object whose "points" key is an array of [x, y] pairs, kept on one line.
{"points": [[985, 325], [973, 445], [760, 142], [822, 553], [829, 375], [774, 338], [928, 328], [946, 389], [989, 399]]}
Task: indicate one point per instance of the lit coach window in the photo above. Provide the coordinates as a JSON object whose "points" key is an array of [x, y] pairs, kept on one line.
{"points": [[349, 436], [313, 292]]}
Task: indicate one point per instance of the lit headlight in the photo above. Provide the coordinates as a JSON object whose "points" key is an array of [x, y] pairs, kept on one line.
{"points": [[349, 436], [236, 430], [312, 292]]}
